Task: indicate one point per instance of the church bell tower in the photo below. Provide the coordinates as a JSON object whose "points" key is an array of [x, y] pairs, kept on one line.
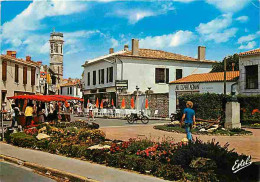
{"points": [[56, 55]]}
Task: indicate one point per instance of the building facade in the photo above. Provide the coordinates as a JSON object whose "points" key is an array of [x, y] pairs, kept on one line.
{"points": [[18, 76], [71, 88], [138, 69], [201, 83], [249, 67]]}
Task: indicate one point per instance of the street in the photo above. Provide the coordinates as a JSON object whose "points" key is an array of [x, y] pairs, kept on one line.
{"points": [[14, 173]]}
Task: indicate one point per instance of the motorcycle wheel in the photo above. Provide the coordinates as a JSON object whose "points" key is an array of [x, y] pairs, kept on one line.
{"points": [[172, 118], [145, 120], [130, 119]]}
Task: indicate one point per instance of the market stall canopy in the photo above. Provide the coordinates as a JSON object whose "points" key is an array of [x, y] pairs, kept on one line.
{"points": [[45, 98]]}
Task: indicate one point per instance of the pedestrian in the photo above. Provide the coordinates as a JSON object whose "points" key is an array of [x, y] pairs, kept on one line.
{"points": [[189, 117], [91, 113], [28, 114], [14, 113]]}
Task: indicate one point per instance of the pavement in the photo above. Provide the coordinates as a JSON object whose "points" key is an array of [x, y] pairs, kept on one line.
{"points": [[249, 145], [82, 168], [13, 173]]}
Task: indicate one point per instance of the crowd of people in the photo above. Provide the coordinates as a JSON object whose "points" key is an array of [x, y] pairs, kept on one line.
{"points": [[45, 112]]}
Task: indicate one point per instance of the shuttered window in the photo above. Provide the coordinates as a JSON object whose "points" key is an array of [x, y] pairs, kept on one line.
{"points": [[94, 77], [4, 70], [16, 76], [24, 75], [33, 76], [161, 75], [88, 78], [111, 74]]}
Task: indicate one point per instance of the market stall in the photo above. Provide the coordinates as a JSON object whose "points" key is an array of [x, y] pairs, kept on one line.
{"points": [[22, 101]]}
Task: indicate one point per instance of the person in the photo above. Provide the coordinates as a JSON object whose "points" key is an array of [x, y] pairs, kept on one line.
{"points": [[91, 113], [28, 114], [189, 117], [14, 113]]}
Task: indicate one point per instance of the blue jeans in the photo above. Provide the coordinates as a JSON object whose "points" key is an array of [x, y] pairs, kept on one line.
{"points": [[188, 127]]}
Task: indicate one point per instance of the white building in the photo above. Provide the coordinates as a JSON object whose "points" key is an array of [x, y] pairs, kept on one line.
{"points": [[71, 88], [249, 67], [142, 68], [18, 76], [200, 83]]}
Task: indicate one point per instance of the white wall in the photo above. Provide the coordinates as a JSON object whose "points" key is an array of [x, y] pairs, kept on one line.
{"points": [[74, 92], [141, 73], [248, 61], [209, 87]]}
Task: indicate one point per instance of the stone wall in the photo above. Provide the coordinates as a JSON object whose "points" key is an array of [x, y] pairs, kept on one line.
{"points": [[158, 101]]}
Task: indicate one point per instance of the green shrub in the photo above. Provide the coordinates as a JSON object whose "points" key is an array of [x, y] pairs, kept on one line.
{"points": [[136, 145], [23, 140], [170, 172], [42, 144]]}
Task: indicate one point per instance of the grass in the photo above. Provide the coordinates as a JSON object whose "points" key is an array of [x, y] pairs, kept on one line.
{"points": [[178, 129]]}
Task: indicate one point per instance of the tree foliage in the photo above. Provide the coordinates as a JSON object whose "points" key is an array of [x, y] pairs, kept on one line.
{"points": [[219, 66]]}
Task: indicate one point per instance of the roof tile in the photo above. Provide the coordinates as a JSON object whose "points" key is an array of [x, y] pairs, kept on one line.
{"points": [[251, 52], [208, 77]]}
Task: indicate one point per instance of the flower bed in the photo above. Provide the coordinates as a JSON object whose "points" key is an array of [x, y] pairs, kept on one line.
{"points": [[217, 131], [168, 160]]}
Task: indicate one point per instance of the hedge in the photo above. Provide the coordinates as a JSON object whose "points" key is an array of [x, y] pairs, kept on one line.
{"points": [[211, 105]]}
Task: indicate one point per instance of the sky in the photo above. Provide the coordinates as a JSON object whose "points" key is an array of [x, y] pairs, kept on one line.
{"points": [[92, 27]]}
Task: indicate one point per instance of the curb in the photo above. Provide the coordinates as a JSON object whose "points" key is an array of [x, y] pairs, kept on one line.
{"points": [[54, 172]]}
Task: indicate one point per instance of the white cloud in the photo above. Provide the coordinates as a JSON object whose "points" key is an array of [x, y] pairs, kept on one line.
{"points": [[217, 30], [114, 42], [215, 25], [220, 37], [246, 38], [229, 5], [248, 41], [242, 19], [171, 40], [136, 14], [20, 30], [249, 45]]}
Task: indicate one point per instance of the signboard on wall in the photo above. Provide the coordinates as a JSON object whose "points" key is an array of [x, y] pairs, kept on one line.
{"points": [[187, 87], [121, 84]]}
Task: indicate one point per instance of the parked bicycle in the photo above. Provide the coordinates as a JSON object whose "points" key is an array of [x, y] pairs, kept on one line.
{"points": [[134, 117]]}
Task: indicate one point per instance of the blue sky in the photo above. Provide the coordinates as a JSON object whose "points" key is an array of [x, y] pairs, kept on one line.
{"points": [[91, 27]]}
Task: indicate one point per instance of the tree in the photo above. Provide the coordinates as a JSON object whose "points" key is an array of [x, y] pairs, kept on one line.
{"points": [[219, 66]]}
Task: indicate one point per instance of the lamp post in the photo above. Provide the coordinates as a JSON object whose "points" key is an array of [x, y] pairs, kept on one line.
{"points": [[137, 98]]}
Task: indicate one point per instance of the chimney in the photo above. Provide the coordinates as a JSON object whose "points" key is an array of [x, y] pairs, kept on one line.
{"points": [[111, 50], [28, 58], [201, 53], [125, 47], [11, 53], [135, 47]]}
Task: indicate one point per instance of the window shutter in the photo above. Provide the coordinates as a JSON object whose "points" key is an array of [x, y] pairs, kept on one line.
{"points": [[24, 75], [33, 76], [16, 79], [88, 78], [111, 74], [99, 76], [107, 74], [4, 70], [167, 75]]}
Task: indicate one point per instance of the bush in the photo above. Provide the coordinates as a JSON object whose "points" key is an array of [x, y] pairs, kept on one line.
{"points": [[42, 144], [23, 140], [170, 172]]}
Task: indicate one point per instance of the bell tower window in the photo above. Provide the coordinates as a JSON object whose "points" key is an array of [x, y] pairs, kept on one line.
{"points": [[51, 48], [61, 49], [56, 48]]}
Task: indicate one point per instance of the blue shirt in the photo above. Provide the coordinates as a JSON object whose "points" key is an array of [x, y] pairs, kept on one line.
{"points": [[189, 113]]}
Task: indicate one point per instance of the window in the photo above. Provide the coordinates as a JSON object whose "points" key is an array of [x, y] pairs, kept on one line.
{"points": [[107, 74], [16, 73], [77, 91], [61, 49], [61, 90], [56, 48], [94, 77], [4, 70], [24, 75], [70, 90], [32, 76], [178, 74], [102, 76], [251, 77], [99, 76], [161, 75], [111, 74], [88, 78], [52, 48]]}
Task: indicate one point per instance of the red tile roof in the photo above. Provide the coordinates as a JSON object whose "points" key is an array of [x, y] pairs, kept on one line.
{"points": [[70, 83], [159, 54], [11, 58], [208, 77], [251, 52]]}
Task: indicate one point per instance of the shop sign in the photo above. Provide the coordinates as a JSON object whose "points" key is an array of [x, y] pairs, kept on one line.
{"points": [[187, 87], [121, 84]]}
